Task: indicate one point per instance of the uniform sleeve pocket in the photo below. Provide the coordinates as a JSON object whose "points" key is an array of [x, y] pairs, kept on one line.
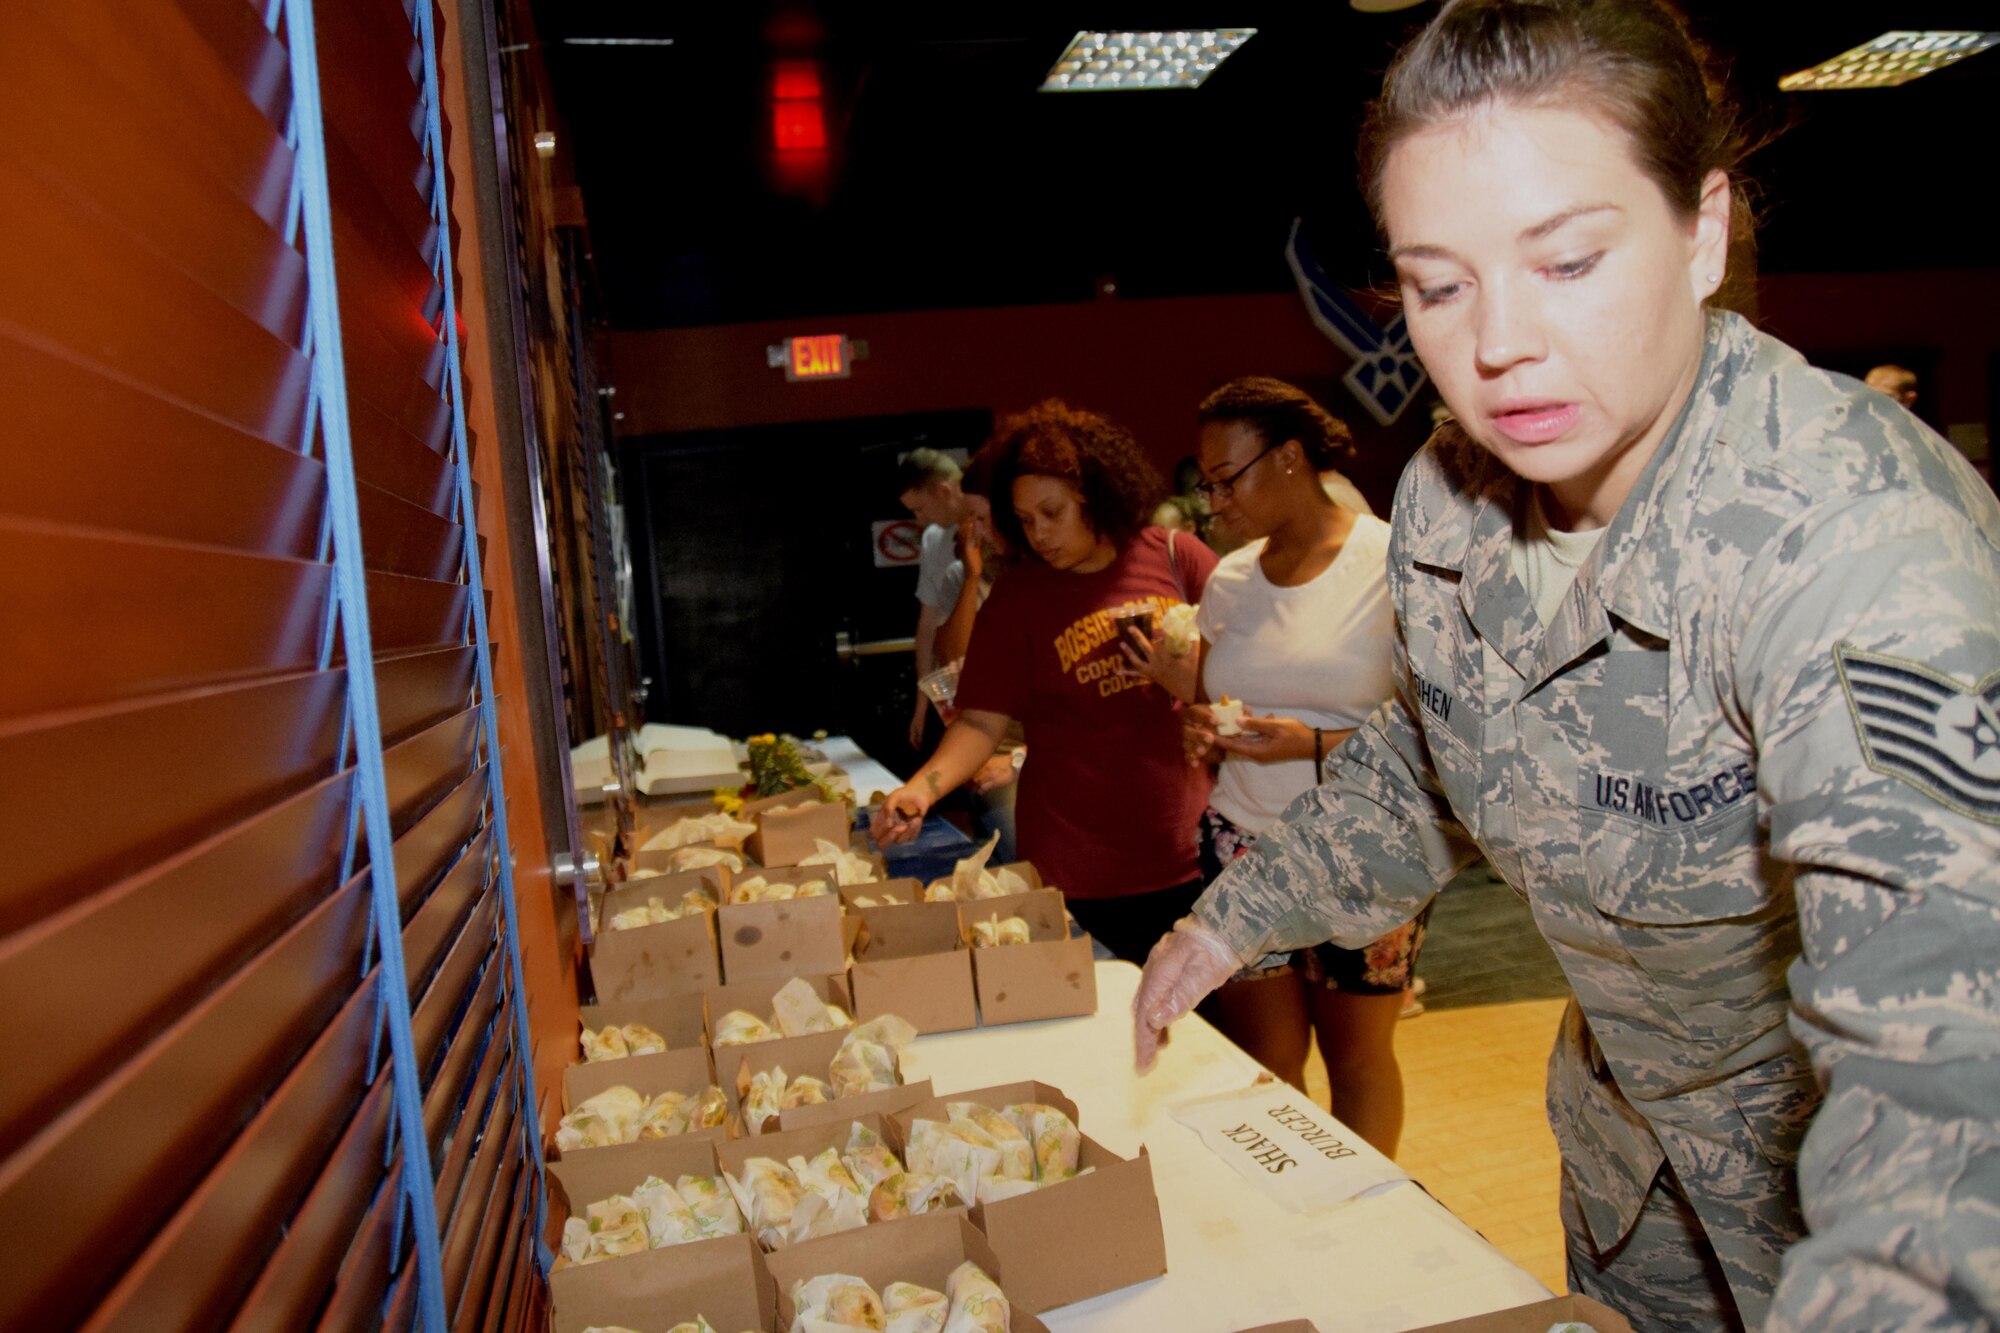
{"points": [[1777, 1100]]}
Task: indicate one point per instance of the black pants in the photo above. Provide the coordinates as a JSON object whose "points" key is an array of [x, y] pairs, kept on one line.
{"points": [[1129, 926]]}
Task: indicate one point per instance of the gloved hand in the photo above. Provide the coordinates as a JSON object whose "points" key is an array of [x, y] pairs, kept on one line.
{"points": [[1189, 961]]}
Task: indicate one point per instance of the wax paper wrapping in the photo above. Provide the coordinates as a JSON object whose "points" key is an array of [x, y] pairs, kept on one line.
{"points": [[867, 1061], [958, 1150], [717, 828], [997, 930], [836, 1301], [1053, 1135], [612, 1116], [712, 1203], [914, 1309], [768, 1194], [976, 1303], [1017, 1157], [849, 866], [740, 1027]]}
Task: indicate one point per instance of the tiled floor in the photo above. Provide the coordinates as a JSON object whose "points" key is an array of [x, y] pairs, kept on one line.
{"points": [[1475, 1132]]}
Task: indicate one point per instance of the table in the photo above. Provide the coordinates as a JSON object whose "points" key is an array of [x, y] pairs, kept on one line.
{"points": [[1390, 1260]]}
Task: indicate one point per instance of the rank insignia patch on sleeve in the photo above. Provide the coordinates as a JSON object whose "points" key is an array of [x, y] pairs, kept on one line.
{"points": [[1941, 737]]}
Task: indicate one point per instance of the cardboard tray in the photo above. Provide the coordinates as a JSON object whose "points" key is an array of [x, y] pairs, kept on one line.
{"points": [[584, 1178], [923, 1250], [680, 1019], [782, 939], [1052, 976], [787, 824], [686, 1071], [1074, 1239], [724, 1280], [912, 961], [811, 1055], [910, 891], [653, 962], [664, 862], [804, 1142], [755, 996]]}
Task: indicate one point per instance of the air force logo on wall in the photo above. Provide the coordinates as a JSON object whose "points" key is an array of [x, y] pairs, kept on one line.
{"points": [[1386, 374], [1916, 724]]}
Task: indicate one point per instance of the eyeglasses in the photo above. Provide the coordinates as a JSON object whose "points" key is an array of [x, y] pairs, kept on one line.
{"points": [[1212, 491]]}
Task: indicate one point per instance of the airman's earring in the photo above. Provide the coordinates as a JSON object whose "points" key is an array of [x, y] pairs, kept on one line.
{"points": [[1715, 279]]}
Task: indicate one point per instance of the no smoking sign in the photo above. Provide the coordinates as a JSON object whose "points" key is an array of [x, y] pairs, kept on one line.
{"points": [[897, 542]]}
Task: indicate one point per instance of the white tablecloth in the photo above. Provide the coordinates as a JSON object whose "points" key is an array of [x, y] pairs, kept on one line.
{"points": [[869, 777], [1392, 1260]]}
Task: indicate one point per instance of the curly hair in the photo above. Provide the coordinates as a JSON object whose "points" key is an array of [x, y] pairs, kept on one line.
{"points": [[1118, 487], [1278, 412]]}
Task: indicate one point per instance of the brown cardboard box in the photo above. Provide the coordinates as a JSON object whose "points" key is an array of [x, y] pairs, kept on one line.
{"points": [[884, 1103], [913, 961], [1538, 1317], [653, 815], [585, 1178], [803, 1142], [681, 1020], [905, 891], [1074, 1239], [663, 861], [788, 823], [923, 1250], [782, 939], [755, 996], [1053, 976], [722, 1280], [811, 1055], [686, 1071], [651, 962], [669, 885]]}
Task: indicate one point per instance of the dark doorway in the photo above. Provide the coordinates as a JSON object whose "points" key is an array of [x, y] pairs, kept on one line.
{"points": [[753, 550]]}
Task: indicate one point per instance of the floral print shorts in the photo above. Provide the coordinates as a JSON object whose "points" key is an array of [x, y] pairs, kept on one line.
{"points": [[1381, 968]]}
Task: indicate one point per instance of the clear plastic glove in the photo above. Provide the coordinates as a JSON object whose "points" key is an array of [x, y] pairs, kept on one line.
{"points": [[1187, 964]]}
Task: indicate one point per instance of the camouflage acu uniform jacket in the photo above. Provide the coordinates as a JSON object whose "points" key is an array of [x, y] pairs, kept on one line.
{"points": [[1749, 782]]}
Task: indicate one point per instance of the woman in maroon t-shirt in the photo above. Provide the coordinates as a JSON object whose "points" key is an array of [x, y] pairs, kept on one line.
{"points": [[1107, 806]]}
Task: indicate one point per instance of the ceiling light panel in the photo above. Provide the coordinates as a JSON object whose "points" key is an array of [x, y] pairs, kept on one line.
{"points": [[1098, 62], [1891, 59]]}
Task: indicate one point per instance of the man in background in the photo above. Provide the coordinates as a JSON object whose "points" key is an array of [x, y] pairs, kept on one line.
{"points": [[1899, 382], [927, 482]]}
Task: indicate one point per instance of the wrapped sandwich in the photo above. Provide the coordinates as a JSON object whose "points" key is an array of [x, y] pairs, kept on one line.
{"points": [[849, 866], [971, 880], [714, 1207], [867, 1060], [976, 1303], [718, 828], [768, 1193], [616, 1042], [914, 1309], [836, 1301], [997, 930]]}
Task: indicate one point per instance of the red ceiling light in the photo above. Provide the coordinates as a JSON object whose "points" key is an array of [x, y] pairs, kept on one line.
{"points": [[795, 80], [798, 126]]}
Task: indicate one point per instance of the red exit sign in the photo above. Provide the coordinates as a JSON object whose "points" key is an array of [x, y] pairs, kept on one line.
{"points": [[820, 356]]}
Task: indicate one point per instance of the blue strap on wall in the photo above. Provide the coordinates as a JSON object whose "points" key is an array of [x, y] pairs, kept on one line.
{"points": [[350, 588], [530, 1118]]}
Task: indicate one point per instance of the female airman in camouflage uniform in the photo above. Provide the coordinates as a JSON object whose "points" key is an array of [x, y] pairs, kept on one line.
{"points": [[1742, 760]]}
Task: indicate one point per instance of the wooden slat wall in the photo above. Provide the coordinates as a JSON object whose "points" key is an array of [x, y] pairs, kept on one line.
{"points": [[197, 1098]]}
